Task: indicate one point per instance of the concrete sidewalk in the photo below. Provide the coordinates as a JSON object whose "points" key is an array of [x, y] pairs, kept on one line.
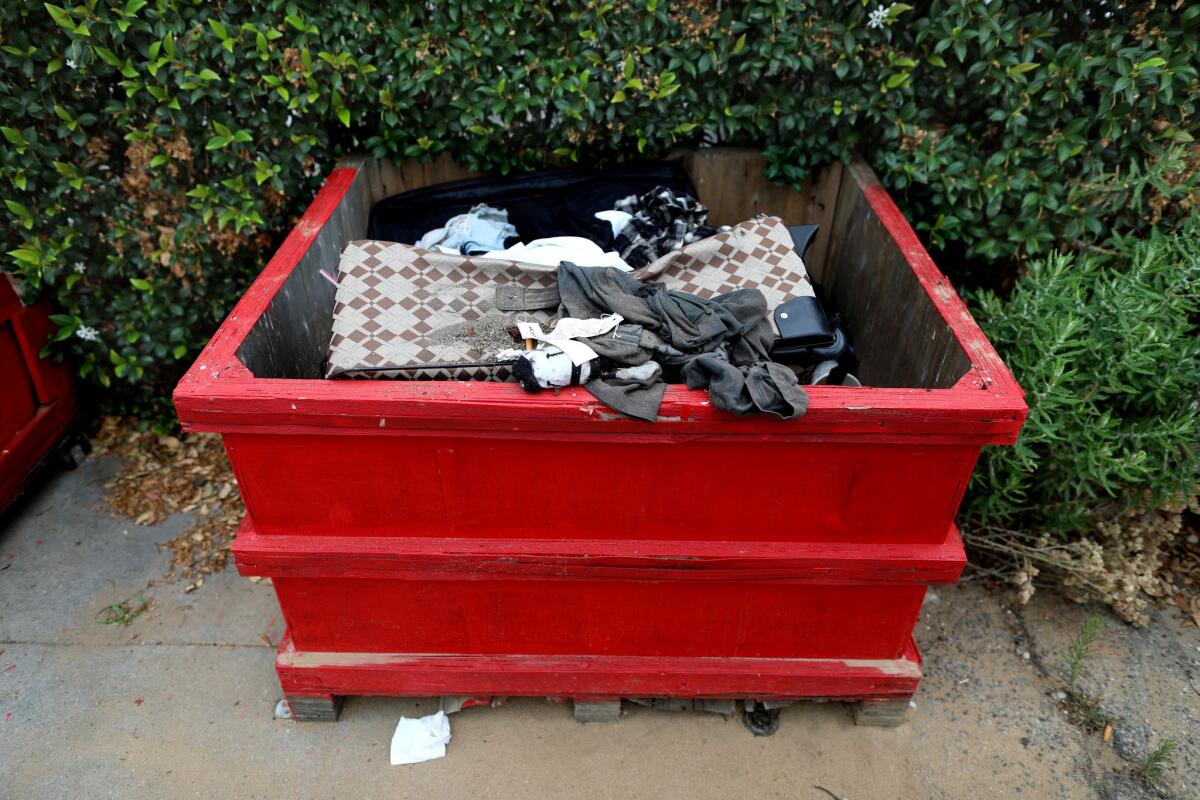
{"points": [[180, 703]]}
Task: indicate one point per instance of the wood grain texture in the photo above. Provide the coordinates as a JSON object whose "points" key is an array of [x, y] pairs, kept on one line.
{"points": [[732, 183], [899, 335], [385, 178], [890, 713], [597, 710], [936, 359], [601, 678], [314, 708], [437, 557], [461, 485]]}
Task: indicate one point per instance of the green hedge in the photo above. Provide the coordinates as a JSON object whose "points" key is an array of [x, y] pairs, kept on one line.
{"points": [[154, 151]]}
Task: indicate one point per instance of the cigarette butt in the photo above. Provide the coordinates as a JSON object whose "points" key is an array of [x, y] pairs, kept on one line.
{"points": [[529, 344]]}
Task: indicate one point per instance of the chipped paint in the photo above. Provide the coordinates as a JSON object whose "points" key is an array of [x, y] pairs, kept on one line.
{"points": [[899, 667], [891, 667], [307, 228]]}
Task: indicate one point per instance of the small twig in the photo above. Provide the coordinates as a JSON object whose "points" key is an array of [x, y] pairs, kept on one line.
{"points": [[826, 791], [1092, 248]]}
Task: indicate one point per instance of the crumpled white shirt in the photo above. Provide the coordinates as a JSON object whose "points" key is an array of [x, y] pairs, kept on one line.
{"points": [[555, 249]]}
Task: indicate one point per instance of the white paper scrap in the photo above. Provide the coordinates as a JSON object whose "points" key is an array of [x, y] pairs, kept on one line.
{"points": [[567, 330], [423, 739]]}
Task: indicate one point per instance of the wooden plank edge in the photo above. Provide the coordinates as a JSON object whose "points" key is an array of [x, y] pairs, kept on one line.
{"points": [[432, 558], [582, 676], [994, 373], [219, 355]]}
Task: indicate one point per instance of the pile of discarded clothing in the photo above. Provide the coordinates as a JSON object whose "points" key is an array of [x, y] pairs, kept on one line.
{"points": [[649, 294]]}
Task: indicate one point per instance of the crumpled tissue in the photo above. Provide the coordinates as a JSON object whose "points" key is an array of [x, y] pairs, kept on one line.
{"points": [[423, 739]]}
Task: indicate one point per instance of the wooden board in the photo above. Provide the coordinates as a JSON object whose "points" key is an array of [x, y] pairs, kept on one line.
{"points": [[602, 678]]}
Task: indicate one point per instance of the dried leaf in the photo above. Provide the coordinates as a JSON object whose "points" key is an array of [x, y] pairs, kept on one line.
{"points": [[165, 474]]}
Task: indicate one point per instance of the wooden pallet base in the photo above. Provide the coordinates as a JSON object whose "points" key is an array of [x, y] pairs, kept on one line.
{"points": [[881, 713], [313, 682], [315, 708], [597, 710]]}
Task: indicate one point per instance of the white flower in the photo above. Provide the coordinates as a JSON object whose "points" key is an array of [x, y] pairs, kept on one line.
{"points": [[87, 333], [71, 63], [79, 267], [879, 17]]}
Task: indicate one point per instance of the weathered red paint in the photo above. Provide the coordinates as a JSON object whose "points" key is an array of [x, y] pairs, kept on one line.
{"points": [[454, 538], [595, 677]]}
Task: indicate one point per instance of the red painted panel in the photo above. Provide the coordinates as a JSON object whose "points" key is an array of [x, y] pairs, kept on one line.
{"points": [[437, 558], [602, 677], [36, 403], [22, 452], [582, 616], [33, 327], [17, 402], [529, 487]]}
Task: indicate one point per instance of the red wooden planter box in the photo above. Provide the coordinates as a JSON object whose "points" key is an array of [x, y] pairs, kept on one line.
{"points": [[469, 538]]}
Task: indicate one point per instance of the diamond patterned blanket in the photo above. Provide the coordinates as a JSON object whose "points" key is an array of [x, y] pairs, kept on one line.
{"points": [[439, 316]]}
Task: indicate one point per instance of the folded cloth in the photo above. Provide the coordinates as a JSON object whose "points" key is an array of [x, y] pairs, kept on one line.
{"points": [[660, 221], [554, 250], [481, 229], [731, 332]]}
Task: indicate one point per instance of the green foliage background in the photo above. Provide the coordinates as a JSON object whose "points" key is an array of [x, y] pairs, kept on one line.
{"points": [[153, 153]]}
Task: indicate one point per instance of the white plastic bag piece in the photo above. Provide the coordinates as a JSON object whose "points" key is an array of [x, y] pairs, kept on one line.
{"points": [[423, 739]]}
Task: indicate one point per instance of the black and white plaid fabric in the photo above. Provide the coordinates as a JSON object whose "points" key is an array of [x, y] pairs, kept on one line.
{"points": [[662, 221]]}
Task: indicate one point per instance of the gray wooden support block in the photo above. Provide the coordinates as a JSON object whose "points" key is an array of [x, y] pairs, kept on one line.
{"points": [[881, 713], [726, 708], [321, 708], [597, 710]]}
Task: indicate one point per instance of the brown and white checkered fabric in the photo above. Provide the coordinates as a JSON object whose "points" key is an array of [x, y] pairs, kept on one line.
{"points": [[395, 303], [756, 254]]}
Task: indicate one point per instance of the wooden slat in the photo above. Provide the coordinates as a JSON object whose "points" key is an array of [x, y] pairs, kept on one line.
{"points": [[385, 178], [732, 183], [900, 336], [431, 557], [990, 373], [822, 207], [420, 674], [291, 337]]}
